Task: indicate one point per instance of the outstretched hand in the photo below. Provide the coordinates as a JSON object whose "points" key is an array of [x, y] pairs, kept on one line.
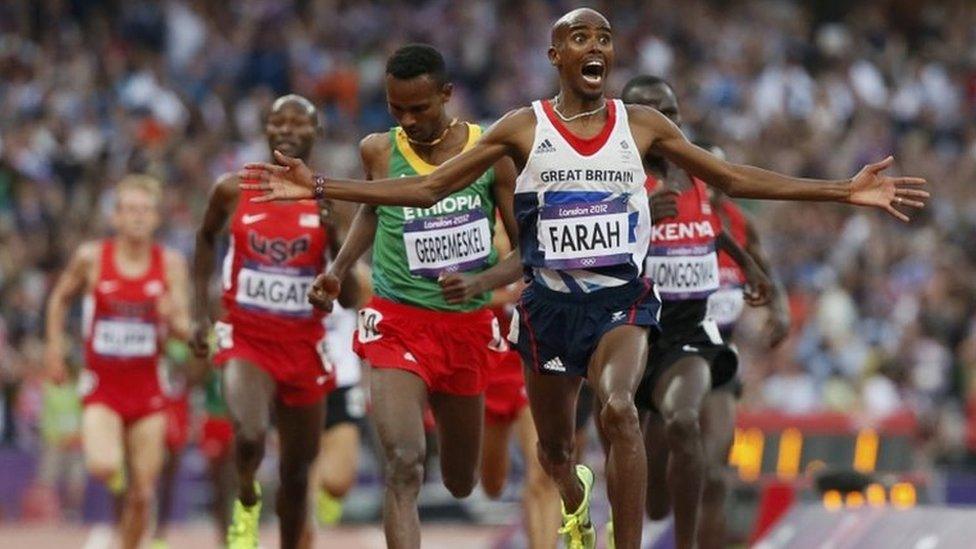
{"points": [[291, 179], [872, 188]]}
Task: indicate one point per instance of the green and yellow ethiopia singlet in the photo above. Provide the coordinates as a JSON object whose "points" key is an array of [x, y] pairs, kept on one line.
{"points": [[413, 246]]}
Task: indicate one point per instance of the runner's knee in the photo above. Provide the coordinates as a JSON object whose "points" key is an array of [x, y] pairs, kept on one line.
{"points": [[102, 467], [460, 485], [683, 430], [555, 453], [338, 487], [404, 469], [619, 416], [139, 495], [493, 485]]}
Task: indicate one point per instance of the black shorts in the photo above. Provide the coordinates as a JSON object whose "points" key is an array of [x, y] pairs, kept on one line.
{"points": [[686, 332], [556, 332], [734, 386], [345, 405]]}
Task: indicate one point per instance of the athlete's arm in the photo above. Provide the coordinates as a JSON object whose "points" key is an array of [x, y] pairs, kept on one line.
{"points": [[294, 180], [778, 323], [869, 187], [758, 285], [328, 286], [214, 220], [177, 298], [71, 282]]}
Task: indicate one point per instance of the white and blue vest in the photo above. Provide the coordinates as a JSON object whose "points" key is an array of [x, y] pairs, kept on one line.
{"points": [[581, 205]]}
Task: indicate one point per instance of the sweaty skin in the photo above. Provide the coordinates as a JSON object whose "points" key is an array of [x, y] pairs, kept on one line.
{"points": [[581, 36]]}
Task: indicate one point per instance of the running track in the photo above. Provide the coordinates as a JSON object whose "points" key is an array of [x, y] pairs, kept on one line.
{"points": [[201, 536]]}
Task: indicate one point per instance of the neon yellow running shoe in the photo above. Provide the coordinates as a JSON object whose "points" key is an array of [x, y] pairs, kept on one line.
{"points": [[577, 531], [328, 509], [116, 485], [159, 544], [243, 530]]}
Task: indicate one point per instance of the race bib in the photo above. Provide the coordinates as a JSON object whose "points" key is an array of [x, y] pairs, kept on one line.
{"points": [[584, 235], [124, 338], [277, 291], [685, 272], [369, 321], [725, 306], [450, 243]]}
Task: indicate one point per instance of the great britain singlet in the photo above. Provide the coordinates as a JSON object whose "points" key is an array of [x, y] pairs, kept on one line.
{"points": [[413, 246], [123, 327], [275, 252], [581, 205], [682, 260]]}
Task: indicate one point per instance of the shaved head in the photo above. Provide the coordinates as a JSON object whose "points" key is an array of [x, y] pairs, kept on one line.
{"points": [[577, 17]]}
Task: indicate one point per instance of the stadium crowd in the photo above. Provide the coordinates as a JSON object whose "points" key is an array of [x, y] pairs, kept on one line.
{"points": [[882, 312]]}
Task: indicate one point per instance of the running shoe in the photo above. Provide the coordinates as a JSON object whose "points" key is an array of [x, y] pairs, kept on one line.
{"points": [[328, 509], [243, 530], [577, 531]]}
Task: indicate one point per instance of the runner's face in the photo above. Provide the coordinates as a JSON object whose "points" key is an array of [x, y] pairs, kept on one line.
{"points": [[136, 214], [291, 130], [583, 54], [417, 104], [657, 96]]}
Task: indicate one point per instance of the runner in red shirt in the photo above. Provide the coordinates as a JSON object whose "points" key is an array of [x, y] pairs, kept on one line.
{"points": [[270, 340], [136, 294]]}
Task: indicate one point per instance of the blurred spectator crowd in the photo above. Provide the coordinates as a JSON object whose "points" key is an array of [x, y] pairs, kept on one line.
{"points": [[883, 312]]}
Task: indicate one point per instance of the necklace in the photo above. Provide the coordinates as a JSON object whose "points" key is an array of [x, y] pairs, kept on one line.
{"points": [[579, 115], [454, 121]]}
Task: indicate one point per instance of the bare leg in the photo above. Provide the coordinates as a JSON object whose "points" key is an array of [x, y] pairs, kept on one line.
{"points": [[459, 427], [540, 499], [658, 503], [222, 480], [249, 392], [718, 430], [615, 370], [678, 395], [145, 446], [102, 442], [338, 455], [494, 465], [298, 430], [553, 403], [167, 485], [398, 412], [103, 445]]}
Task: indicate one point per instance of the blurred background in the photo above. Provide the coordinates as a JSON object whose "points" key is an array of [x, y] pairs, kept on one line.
{"points": [[883, 346]]}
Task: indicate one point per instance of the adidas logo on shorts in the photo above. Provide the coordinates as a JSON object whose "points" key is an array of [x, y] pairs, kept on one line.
{"points": [[545, 147], [554, 364]]}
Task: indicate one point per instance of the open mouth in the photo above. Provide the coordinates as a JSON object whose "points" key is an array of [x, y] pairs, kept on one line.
{"points": [[593, 71], [286, 146]]}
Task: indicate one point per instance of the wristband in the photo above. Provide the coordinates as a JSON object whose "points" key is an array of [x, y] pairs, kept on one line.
{"points": [[319, 190]]}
